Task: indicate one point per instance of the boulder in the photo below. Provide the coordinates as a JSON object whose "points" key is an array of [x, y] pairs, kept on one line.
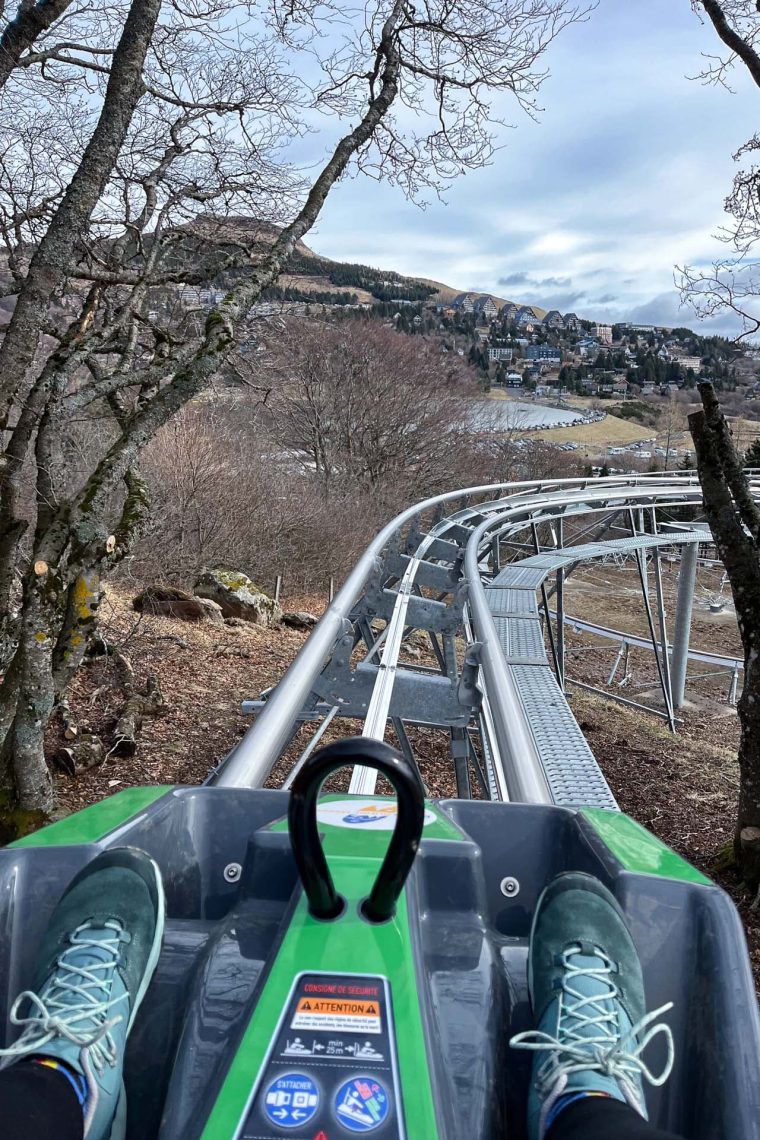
{"points": [[299, 619], [168, 601], [238, 596]]}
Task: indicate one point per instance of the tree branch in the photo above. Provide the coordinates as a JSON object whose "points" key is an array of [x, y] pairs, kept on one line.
{"points": [[52, 256], [732, 38]]}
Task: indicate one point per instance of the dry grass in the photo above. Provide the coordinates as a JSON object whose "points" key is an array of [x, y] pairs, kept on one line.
{"points": [[609, 431]]}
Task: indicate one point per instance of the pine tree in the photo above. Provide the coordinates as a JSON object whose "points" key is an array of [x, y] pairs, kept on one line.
{"points": [[752, 454]]}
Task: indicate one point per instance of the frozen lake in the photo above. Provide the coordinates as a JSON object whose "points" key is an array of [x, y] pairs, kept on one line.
{"points": [[511, 415]]}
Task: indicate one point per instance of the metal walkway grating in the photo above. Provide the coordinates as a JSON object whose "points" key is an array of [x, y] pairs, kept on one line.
{"points": [[574, 777]]}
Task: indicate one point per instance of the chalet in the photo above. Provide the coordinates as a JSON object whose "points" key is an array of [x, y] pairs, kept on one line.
{"points": [[509, 311], [587, 346], [486, 307], [572, 323], [465, 302], [553, 320], [525, 317]]}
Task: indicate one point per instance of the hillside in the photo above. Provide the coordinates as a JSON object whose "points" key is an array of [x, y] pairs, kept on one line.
{"points": [[309, 272]]}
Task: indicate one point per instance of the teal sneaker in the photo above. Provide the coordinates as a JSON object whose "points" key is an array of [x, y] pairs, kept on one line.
{"points": [[97, 959], [587, 994]]}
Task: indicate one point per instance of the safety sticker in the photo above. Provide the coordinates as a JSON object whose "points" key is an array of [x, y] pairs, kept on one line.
{"points": [[361, 1104], [337, 1013], [366, 815], [331, 1067], [292, 1100]]}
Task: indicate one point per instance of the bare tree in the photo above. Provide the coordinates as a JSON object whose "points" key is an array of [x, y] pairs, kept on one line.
{"points": [[367, 407], [734, 519], [134, 130], [732, 283]]}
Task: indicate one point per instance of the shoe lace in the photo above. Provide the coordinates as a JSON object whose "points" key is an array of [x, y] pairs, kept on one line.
{"points": [[575, 1049], [76, 1002]]}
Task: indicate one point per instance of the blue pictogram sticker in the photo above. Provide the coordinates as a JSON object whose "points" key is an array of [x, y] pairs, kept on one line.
{"points": [[291, 1101], [353, 819], [361, 1104]]}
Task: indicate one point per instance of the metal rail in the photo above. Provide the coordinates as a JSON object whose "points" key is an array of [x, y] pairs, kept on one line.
{"points": [[441, 580], [251, 760]]}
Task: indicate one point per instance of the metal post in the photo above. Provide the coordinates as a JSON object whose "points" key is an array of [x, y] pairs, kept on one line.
{"points": [[684, 603], [663, 626], [641, 562], [734, 684], [561, 628], [277, 587], [547, 613], [616, 666]]}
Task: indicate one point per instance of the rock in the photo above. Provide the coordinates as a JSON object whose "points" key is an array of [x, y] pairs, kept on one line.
{"points": [[238, 596], [233, 623], [168, 601], [212, 610], [299, 619]]}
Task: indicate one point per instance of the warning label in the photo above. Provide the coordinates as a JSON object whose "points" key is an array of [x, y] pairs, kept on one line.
{"points": [[331, 1067], [336, 1013]]}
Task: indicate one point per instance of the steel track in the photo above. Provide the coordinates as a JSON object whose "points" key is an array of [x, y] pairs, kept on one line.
{"points": [[437, 569]]}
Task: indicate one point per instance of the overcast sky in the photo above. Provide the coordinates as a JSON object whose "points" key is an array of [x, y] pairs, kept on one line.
{"points": [[589, 209]]}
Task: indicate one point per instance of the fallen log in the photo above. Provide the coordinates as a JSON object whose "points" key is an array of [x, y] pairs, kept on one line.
{"points": [[129, 724], [85, 752]]}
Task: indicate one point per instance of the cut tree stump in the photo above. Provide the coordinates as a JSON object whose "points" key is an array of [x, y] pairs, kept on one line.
{"points": [[137, 707], [86, 752]]}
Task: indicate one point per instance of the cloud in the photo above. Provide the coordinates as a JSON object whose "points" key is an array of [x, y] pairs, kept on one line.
{"points": [[514, 279], [536, 283], [605, 299], [565, 302], [666, 309]]}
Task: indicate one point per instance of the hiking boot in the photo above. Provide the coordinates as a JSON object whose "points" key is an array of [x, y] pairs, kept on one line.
{"points": [[587, 994], [98, 956]]}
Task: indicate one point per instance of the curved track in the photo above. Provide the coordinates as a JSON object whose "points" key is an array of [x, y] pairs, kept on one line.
{"points": [[437, 568]]}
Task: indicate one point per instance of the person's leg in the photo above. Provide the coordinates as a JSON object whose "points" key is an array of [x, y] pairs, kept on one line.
{"points": [[39, 1103], [97, 958], [587, 994], [602, 1118]]}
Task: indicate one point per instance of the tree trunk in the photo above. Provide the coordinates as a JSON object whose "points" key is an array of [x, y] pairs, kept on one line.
{"points": [[735, 524]]}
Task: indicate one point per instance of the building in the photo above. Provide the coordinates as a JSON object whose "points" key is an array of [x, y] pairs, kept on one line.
{"points": [[465, 302], [509, 311], [587, 346], [553, 320], [603, 333], [545, 353], [513, 380], [498, 353], [486, 307], [687, 362], [572, 323], [525, 316]]}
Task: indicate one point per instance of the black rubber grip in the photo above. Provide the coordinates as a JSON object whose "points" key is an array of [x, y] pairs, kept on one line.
{"points": [[324, 900]]}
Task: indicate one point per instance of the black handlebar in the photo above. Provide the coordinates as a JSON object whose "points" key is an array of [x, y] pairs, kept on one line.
{"points": [[324, 900]]}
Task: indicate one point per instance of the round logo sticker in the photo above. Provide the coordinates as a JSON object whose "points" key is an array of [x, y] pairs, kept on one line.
{"points": [[368, 815], [361, 1105], [291, 1100]]}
